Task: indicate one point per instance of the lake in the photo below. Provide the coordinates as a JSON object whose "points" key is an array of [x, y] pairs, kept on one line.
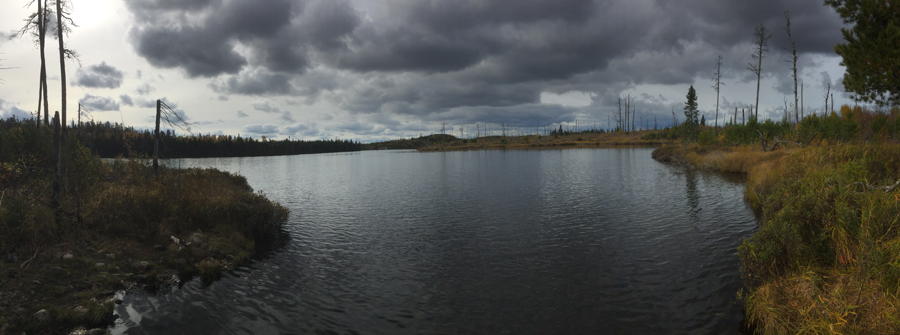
{"points": [[572, 241]]}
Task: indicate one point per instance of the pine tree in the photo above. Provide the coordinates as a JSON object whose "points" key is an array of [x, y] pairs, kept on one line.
{"points": [[690, 107], [691, 113], [871, 54]]}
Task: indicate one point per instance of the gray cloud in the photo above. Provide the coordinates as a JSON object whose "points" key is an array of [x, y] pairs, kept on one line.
{"points": [[266, 107], [8, 109], [308, 130], [98, 76], [145, 89], [287, 116], [261, 129], [241, 114], [98, 103], [126, 100]]}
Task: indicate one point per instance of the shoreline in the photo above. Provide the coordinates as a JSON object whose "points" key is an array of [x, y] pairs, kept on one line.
{"points": [[130, 230], [825, 255]]}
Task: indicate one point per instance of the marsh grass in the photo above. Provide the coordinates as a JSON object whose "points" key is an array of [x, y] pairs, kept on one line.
{"points": [[117, 224], [826, 257]]}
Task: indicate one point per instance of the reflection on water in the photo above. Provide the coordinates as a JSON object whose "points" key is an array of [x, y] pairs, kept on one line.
{"points": [[529, 242]]}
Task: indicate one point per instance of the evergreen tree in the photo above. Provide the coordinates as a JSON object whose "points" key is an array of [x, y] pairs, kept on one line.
{"points": [[690, 107], [871, 54], [702, 120], [691, 113]]}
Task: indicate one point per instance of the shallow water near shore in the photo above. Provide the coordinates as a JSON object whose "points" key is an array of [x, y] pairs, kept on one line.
{"points": [[571, 241]]}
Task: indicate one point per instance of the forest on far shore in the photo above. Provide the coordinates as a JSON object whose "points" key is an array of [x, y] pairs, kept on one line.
{"points": [[111, 140]]}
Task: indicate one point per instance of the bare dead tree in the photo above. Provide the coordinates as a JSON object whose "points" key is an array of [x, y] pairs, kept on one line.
{"points": [[793, 50], [64, 26], [619, 118], [674, 119], [717, 79], [786, 110], [36, 27], [761, 38], [827, 92], [633, 113]]}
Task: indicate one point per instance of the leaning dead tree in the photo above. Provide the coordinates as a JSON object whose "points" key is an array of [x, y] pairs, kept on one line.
{"points": [[82, 111], [172, 119]]}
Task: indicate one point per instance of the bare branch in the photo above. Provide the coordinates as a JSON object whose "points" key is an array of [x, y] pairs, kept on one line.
{"points": [[173, 119]]}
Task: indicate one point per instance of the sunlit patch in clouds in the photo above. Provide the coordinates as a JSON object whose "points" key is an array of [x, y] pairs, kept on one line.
{"points": [[571, 99]]}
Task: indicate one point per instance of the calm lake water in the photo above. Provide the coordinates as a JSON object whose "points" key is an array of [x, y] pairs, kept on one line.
{"points": [[577, 241]]}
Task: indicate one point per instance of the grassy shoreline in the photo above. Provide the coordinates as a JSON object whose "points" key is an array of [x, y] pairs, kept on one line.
{"points": [[826, 257], [120, 226]]}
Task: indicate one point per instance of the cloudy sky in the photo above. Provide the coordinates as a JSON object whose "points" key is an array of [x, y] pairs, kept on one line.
{"points": [[384, 69]]}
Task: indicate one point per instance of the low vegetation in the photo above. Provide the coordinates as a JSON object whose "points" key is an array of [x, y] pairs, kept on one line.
{"points": [[410, 144], [587, 138], [119, 226], [826, 257]]}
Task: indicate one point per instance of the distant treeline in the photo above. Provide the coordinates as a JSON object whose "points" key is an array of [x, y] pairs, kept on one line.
{"points": [[114, 139]]}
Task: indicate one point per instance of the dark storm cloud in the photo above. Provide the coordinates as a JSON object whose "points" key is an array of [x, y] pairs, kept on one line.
{"points": [[258, 81], [480, 61], [212, 38], [98, 104], [98, 76]]}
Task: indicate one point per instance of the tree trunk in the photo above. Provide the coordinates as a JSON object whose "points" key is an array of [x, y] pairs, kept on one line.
{"points": [[156, 140], [62, 68], [54, 197], [42, 41], [40, 96]]}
